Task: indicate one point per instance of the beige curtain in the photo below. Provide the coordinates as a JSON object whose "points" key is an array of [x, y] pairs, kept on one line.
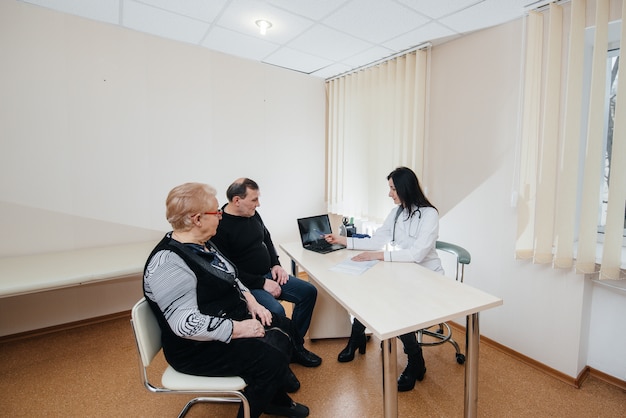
{"points": [[552, 146], [611, 256], [376, 122], [593, 158]]}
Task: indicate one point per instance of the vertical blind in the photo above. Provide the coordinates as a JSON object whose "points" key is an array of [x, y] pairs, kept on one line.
{"points": [[376, 122], [556, 151]]}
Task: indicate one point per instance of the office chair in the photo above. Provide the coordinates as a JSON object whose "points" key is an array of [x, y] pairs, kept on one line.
{"points": [[443, 333], [209, 389]]}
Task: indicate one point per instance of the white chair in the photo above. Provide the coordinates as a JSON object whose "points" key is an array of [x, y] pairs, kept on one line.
{"points": [[443, 334], [209, 389]]}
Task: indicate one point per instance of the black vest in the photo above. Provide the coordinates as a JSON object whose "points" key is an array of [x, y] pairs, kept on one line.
{"points": [[217, 292]]}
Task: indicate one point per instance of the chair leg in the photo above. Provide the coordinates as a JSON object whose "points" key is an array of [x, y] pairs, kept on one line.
{"points": [[237, 398], [441, 336]]}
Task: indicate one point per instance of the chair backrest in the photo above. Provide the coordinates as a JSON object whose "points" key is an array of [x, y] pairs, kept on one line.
{"points": [[147, 331], [462, 257]]}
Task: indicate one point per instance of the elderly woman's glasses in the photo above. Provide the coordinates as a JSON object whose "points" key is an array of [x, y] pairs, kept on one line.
{"points": [[218, 213]]}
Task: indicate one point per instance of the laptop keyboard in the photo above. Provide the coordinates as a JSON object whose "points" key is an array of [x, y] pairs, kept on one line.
{"points": [[319, 245]]}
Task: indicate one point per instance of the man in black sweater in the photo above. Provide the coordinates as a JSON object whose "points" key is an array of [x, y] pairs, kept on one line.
{"points": [[242, 237]]}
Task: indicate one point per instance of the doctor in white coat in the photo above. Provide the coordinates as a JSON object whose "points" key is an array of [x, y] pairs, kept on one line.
{"points": [[409, 234]]}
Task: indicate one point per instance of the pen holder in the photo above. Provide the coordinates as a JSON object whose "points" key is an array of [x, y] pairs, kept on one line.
{"points": [[347, 228]]}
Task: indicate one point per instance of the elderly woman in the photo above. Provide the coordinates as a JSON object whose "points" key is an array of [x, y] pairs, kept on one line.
{"points": [[211, 324]]}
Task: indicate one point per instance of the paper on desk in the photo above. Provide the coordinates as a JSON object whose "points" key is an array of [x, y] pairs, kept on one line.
{"points": [[349, 266]]}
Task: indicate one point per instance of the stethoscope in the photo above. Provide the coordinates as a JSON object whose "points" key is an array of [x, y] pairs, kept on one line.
{"points": [[395, 221]]}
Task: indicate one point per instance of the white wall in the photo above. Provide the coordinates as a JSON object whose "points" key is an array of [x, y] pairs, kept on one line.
{"points": [[553, 316], [98, 123], [607, 332]]}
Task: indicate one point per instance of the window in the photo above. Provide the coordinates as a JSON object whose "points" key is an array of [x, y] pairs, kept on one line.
{"points": [[612, 77], [563, 127]]}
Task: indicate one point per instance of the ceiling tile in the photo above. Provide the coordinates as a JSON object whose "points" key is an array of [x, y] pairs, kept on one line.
{"points": [[368, 56], [234, 43], [203, 10], [331, 71], [161, 23], [375, 20], [485, 14], [102, 10], [299, 61], [314, 10], [328, 43], [428, 32], [439, 8], [311, 36], [242, 15]]}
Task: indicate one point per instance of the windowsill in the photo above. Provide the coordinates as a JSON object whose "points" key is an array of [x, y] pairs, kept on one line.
{"points": [[599, 247], [613, 285]]}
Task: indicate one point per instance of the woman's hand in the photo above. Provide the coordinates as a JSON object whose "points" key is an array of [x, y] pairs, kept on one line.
{"points": [[369, 255], [335, 239], [257, 310], [248, 328], [261, 313]]}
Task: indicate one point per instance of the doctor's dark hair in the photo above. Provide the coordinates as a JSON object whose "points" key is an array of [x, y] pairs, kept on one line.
{"points": [[408, 188], [240, 188]]}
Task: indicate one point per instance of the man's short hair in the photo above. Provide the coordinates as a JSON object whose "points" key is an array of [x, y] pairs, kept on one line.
{"points": [[240, 188]]}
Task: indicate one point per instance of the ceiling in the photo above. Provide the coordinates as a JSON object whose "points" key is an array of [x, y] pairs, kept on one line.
{"points": [[323, 38]]}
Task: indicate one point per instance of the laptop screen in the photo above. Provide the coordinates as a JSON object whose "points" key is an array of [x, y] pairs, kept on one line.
{"points": [[313, 227]]}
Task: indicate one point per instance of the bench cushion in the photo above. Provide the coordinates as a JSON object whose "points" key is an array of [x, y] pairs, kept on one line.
{"points": [[47, 271]]}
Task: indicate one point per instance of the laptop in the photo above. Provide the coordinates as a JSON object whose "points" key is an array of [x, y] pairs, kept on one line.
{"points": [[312, 230]]}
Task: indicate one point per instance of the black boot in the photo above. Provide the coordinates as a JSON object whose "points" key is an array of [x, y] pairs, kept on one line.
{"points": [[414, 370], [292, 384], [357, 340]]}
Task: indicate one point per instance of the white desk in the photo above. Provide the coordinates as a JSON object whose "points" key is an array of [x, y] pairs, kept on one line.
{"points": [[392, 299]]}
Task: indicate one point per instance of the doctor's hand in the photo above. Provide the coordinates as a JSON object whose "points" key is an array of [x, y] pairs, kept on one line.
{"points": [[369, 255], [335, 239]]}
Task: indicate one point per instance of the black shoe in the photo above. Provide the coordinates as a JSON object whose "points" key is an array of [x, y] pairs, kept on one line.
{"points": [[306, 358], [292, 384], [295, 410], [406, 381]]}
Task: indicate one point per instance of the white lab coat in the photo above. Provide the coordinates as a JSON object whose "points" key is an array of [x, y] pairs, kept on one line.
{"points": [[414, 238]]}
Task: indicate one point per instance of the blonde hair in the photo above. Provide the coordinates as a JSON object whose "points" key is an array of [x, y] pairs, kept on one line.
{"points": [[184, 200]]}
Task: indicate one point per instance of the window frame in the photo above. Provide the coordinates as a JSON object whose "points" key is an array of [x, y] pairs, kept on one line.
{"points": [[612, 51]]}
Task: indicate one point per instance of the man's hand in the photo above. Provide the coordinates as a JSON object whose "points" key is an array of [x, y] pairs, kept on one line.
{"points": [[279, 275], [272, 288]]}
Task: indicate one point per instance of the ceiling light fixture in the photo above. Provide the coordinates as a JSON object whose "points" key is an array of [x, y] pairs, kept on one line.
{"points": [[263, 25]]}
